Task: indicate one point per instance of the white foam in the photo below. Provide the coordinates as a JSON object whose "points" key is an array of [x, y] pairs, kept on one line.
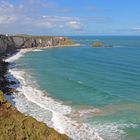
{"points": [[60, 121], [84, 112], [80, 82], [112, 130], [29, 96], [37, 50], [17, 55], [36, 95]]}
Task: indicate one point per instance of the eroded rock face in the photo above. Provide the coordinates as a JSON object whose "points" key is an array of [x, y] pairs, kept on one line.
{"points": [[3, 44], [19, 41], [6, 44]]}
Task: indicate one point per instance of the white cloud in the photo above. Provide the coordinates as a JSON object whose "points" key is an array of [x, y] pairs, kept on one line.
{"points": [[128, 30], [23, 18], [61, 22], [5, 19], [136, 29], [44, 24], [8, 13], [76, 25]]}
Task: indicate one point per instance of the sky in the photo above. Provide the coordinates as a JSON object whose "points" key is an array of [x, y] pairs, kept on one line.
{"points": [[70, 17]]}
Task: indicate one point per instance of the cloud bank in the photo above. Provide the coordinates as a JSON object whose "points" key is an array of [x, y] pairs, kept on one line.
{"points": [[36, 17]]}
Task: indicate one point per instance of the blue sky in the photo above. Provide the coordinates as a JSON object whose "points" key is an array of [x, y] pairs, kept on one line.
{"points": [[74, 17]]}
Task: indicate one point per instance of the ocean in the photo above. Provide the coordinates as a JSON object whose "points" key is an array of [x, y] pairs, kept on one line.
{"points": [[87, 93]]}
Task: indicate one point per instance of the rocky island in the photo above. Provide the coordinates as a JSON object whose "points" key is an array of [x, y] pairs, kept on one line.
{"points": [[13, 124], [100, 44], [97, 44]]}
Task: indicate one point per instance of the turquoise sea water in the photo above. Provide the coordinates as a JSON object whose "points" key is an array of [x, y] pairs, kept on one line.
{"points": [[85, 77]]}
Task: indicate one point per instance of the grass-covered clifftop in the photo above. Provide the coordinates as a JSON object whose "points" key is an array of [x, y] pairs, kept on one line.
{"points": [[15, 126]]}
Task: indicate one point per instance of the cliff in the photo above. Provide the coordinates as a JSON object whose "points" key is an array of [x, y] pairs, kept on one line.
{"points": [[6, 44], [9, 43], [13, 124]]}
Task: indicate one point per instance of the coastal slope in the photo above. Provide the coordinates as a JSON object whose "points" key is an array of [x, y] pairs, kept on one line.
{"points": [[13, 124]]}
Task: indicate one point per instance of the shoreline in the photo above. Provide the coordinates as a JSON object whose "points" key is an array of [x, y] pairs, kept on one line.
{"points": [[59, 119], [8, 113], [24, 50], [50, 47]]}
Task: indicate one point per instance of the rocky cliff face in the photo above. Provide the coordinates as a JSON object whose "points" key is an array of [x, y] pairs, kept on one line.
{"points": [[10, 43], [6, 44]]}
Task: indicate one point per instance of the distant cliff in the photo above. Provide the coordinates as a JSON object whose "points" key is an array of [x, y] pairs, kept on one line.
{"points": [[10, 43]]}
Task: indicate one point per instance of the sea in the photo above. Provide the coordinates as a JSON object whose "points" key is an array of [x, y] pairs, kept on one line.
{"points": [[84, 92]]}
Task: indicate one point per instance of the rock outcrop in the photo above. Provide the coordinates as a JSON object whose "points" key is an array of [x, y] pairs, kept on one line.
{"points": [[6, 44], [9, 43]]}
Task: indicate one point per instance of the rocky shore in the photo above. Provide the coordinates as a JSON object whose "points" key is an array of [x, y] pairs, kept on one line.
{"points": [[13, 124]]}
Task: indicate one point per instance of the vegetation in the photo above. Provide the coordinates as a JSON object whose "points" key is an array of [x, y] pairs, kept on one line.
{"points": [[15, 126]]}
